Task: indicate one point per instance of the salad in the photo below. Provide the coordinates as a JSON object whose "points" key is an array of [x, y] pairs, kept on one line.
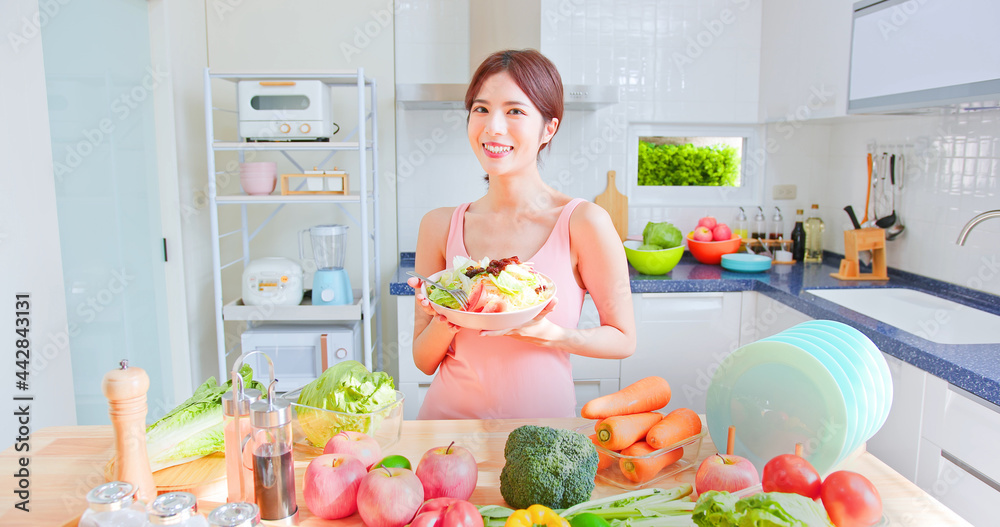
{"points": [[493, 286]]}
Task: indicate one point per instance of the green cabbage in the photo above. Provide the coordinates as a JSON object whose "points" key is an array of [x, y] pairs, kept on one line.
{"points": [[358, 398], [771, 509], [663, 234], [649, 247], [194, 428]]}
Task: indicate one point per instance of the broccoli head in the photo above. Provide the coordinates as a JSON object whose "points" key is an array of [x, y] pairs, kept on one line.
{"points": [[548, 466]]}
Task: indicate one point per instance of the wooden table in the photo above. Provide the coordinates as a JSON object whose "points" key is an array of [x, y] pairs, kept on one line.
{"points": [[66, 462]]}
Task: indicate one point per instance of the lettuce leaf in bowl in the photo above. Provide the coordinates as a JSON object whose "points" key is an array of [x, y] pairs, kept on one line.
{"points": [[345, 397]]}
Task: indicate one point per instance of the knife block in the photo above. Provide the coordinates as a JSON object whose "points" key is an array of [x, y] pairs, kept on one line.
{"points": [[869, 239]]}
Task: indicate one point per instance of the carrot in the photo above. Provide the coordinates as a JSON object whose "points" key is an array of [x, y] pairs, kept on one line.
{"points": [[641, 470], [644, 395], [677, 426], [603, 460], [620, 431]]}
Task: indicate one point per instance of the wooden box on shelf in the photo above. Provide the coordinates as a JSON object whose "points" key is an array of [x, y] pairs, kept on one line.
{"points": [[317, 182]]}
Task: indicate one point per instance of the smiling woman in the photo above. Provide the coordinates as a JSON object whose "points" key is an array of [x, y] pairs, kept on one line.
{"points": [[515, 107]]}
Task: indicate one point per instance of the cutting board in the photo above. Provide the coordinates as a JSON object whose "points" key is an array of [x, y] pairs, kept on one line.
{"points": [[201, 477], [616, 204]]}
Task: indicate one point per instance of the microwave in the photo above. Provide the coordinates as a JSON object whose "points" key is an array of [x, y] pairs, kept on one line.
{"points": [[284, 110], [300, 352]]}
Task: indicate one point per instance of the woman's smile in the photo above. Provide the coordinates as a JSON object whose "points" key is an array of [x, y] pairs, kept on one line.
{"points": [[497, 150]]}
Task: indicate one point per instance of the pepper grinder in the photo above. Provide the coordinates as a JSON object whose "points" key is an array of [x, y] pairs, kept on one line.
{"points": [[125, 389]]}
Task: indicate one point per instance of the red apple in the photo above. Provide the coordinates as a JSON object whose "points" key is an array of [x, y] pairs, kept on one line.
{"points": [[725, 472], [721, 232], [708, 222], [330, 485], [359, 445], [702, 234], [448, 471], [389, 497]]}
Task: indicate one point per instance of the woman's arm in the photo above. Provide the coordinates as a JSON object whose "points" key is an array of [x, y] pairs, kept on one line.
{"points": [[432, 333], [603, 269]]}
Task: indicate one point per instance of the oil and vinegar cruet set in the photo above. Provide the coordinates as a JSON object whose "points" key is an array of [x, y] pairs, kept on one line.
{"points": [[260, 471]]}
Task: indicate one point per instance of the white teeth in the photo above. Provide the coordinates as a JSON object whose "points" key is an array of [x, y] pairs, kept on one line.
{"points": [[498, 149]]}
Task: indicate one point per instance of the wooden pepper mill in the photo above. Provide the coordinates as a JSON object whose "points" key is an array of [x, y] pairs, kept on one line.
{"points": [[125, 389]]}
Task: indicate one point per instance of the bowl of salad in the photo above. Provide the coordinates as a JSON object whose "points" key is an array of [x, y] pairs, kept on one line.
{"points": [[503, 293]]}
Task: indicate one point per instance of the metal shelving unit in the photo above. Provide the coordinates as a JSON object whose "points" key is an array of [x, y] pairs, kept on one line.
{"points": [[365, 307]]}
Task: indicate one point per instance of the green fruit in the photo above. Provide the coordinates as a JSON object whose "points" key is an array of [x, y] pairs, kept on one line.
{"points": [[587, 519], [393, 461], [649, 247]]}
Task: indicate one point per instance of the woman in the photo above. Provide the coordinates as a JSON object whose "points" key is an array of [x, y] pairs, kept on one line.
{"points": [[515, 104]]}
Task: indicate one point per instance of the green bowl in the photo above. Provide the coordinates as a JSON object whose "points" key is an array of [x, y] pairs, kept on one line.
{"points": [[652, 262]]}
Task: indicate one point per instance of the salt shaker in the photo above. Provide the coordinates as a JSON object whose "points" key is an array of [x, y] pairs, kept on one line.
{"points": [[273, 467], [125, 389], [113, 504], [236, 432], [235, 515], [179, 509]]}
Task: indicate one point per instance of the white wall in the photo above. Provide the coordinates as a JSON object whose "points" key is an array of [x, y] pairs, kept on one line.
{"points": [[29, 233]]}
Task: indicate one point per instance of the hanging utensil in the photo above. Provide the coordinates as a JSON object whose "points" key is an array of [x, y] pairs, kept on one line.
{"points": [[897, 228], [868, 191], [888, 196]]}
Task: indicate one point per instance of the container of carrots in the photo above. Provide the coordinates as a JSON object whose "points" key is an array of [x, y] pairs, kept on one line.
{"points": [[638, 443]]}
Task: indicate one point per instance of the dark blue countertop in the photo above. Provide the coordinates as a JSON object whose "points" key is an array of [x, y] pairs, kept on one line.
{"points": [[972, 367]]}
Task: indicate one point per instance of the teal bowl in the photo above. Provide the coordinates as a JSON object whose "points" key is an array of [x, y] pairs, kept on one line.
{"points": [[652, 262]]}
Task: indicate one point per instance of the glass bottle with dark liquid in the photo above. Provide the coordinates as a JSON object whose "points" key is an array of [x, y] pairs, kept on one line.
{"points": [[273, 468], [777, 230]]}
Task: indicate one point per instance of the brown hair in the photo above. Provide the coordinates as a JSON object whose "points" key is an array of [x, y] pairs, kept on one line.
{"points": [[535, 74]]}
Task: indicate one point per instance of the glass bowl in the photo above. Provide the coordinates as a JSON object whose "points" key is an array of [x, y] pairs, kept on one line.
{"points": [[610, 472], [313, 427]]}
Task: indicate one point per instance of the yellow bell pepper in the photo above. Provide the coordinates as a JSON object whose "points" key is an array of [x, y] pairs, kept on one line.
{"points": [[536, 515]]}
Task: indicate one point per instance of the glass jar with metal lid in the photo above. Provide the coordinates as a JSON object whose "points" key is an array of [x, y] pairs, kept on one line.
{"points": [[235, 515], [113, 504], [179, 509]]}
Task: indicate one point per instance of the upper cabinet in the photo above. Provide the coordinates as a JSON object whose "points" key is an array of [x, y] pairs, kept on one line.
{"points": [[920, 54], [805, 50]]}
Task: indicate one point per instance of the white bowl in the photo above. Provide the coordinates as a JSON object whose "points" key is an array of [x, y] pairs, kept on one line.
{"points": [[488, 321]]}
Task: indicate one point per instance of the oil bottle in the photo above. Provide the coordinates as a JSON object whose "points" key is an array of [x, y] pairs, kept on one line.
{"points": [[798, 238], [814, 236]]}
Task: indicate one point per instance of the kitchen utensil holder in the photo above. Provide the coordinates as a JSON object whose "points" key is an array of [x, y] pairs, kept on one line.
{"points": [[286, 190], [868, 239]]}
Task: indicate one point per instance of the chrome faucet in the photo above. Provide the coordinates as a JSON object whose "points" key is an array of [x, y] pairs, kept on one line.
{"points": [[973, 222]]}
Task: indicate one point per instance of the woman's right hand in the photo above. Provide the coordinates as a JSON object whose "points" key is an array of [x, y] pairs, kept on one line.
{"points": [[425, 305]]}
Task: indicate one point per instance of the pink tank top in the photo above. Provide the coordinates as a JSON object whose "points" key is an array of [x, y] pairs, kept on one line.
{"points": [[501, 377]]}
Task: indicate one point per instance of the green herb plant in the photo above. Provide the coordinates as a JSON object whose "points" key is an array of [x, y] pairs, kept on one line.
{"points": [[688, 165]]}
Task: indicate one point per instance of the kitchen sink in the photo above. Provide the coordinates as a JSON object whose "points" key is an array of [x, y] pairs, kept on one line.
{"points": [[926, 316]]}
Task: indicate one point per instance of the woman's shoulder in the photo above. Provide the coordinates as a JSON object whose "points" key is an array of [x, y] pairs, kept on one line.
{"points": [[589, 216]]}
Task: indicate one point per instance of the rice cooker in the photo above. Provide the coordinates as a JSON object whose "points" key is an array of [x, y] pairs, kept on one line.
{"points": [[272, 281]]}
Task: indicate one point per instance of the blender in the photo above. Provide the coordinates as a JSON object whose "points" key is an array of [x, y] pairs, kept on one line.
{"points": [[331, 285]]}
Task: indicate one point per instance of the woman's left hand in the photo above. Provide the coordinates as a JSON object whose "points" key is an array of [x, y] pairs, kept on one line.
{"points": [[538, 330]]}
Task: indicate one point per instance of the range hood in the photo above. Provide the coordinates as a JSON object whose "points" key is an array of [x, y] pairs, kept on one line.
{"points": [[513, 24]]}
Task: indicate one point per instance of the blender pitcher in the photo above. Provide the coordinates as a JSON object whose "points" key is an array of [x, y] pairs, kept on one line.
{"points": [[331, 285]]}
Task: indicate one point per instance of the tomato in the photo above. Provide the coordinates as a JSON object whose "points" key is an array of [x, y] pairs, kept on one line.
{"points": [[587, 519], [791, 473], [851, 500]]}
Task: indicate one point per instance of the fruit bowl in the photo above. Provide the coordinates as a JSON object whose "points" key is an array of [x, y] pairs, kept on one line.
{"points": [[652, 262], [488, 321], [711, 252], [385, 424], [609, 467]]}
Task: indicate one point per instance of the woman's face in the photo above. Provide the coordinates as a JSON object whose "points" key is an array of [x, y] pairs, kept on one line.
{"points": [[505, 129]]}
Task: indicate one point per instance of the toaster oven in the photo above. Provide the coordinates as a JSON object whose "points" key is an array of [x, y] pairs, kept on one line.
{"points": [[284, 110], [300, 352]]}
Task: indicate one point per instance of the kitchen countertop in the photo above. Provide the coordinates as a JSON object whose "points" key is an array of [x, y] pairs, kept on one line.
{"points": [[68, 461], [972, 367]]}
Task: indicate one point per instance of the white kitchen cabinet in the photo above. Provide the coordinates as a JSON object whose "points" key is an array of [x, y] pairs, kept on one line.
{"points": [[764, 316], [592, 377], [897, 443], [682, 337]]}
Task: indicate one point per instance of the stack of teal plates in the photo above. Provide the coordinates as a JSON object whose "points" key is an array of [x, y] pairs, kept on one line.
{"points": [[821, 383]]}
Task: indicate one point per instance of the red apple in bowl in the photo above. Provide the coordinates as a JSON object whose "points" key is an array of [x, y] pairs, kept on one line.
{"points": [[389, 497], [359, 445], [448, 471], [721, 232], [707, 222], [330, 485], [702, 234], [725, 472]]}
